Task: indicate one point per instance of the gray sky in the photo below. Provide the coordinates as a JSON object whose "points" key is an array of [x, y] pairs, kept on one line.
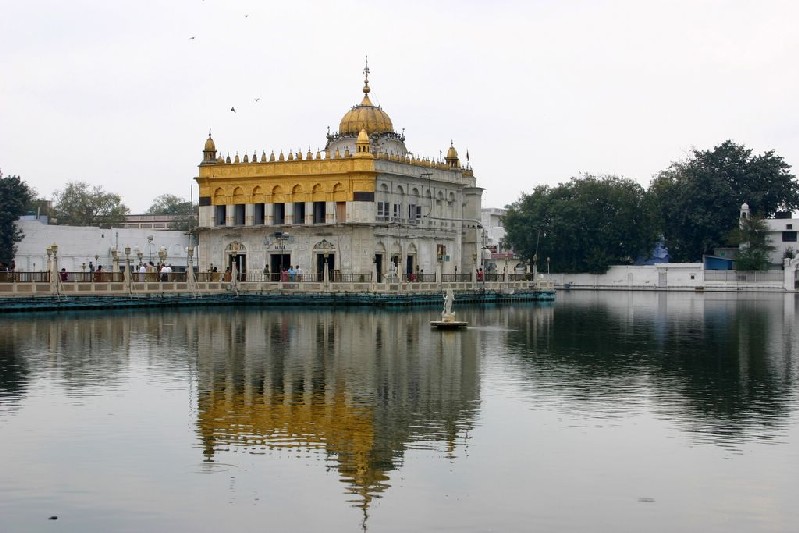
{"points": [[117, 94]]}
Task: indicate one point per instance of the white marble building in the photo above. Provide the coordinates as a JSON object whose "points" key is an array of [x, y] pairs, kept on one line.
{"points": [[77, 246]]}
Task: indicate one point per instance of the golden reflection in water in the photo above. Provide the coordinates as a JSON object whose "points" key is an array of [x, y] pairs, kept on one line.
{"points": [[359, 386]]}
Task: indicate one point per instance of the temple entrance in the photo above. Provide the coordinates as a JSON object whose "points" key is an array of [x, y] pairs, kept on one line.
{"points": [[240, 260], [277, 264], [320, 265], [379, 267], [325, 254], [236, 254]]}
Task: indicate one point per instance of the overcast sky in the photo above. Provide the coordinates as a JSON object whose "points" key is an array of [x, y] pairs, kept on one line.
{"points": [[124, 94]]}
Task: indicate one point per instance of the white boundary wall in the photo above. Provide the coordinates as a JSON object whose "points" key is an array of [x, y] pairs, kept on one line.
{"points": [[677, 276]]}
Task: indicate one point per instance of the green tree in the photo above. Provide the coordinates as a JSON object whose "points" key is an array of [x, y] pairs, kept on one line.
{"points": [[697, 201], [15, 195], [184, 211], [752, 237], [584, 225], [168, 204], [81, 204]]}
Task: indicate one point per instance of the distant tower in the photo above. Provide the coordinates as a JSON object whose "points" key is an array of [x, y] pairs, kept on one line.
{"points": [[745, 213]]}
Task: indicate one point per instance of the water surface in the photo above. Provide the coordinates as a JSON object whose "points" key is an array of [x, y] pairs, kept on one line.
{"points": [[603, 411]]}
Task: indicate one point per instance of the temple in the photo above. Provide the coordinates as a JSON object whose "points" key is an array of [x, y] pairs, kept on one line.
{"points": [[365, 206]]}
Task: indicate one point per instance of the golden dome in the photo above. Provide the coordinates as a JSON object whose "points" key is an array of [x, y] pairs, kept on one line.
{"points": [[365, 116], [209, 145], [452, 153]]}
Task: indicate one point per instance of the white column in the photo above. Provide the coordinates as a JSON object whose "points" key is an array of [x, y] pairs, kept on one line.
{"points": [[269, 214], [248, 214], [330, 213]]}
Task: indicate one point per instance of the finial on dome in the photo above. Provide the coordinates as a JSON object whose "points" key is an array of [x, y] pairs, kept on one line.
{"points": [[366, 77]]}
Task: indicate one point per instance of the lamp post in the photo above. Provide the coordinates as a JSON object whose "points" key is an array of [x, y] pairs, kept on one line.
{"points": [[128, 277], [547, 266], [54, 247], [50, 260], [114, 260], [189, 266], [162, 261], [281, 237]]}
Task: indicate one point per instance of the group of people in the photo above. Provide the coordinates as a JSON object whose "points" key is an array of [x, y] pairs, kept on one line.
{"points": [[152, 272], [292, 273]]}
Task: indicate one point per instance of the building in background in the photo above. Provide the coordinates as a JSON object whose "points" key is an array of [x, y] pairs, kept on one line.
{"points": [[496, 258], [364, 206], [80, 245]]}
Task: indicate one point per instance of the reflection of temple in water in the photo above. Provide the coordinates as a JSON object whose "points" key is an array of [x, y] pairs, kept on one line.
{"points": [[358, 386]]}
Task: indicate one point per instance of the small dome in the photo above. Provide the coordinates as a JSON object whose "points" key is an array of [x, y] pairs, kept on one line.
{"points": [[209, 145], [452, 153]]}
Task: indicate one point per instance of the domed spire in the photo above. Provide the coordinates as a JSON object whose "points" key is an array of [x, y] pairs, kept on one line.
{"points": [[209, 151], [362, 148], [452, 156], [365, 115]]}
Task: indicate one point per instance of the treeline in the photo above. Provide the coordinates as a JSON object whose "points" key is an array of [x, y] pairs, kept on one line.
{"points": [[592, 222]]}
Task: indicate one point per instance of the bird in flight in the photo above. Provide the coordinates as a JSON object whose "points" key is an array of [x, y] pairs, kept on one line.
{"points": [[258, 99], [191, 38], [233, 109]]}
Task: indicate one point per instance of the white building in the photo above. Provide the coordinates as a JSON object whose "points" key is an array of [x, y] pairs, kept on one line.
{"points": [[782, 235], [80, 245]]}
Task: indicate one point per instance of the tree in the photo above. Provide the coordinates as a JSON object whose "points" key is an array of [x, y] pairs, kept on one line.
{"points": [[584, 225], [185, 212], [80, 204], [697, 201], [15, 195], [168, 204], [752, 238]]}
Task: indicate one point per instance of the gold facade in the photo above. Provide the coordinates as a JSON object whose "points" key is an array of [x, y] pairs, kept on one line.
{"points": [[319, 180]]}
